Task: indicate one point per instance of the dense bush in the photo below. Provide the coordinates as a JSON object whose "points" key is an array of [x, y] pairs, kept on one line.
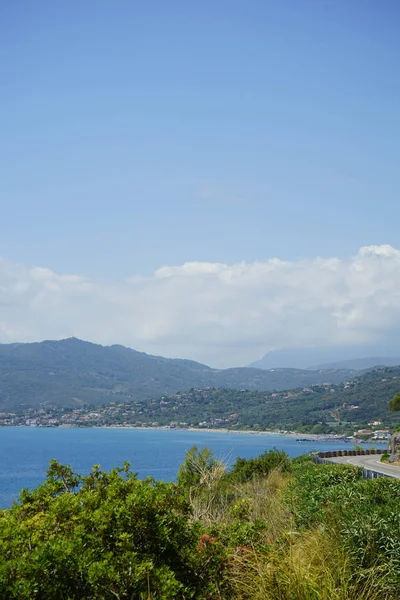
{"points": [[270, 528], [363, 514], [199, 468], [245, 469], [310, 490], [107, 535]]}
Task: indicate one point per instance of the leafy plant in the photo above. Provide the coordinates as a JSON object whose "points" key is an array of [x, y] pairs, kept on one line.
{"points": [[245, 469], [270, 528], [103, 536]]}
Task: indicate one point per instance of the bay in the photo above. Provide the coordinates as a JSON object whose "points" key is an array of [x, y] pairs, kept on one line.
{"points": [[25, 452]]}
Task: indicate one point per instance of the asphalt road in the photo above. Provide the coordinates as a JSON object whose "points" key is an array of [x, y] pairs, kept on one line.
{"points": [[369, 461]]}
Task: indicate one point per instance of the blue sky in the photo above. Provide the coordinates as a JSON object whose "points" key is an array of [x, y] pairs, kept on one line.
{"points": [[136, 135]]}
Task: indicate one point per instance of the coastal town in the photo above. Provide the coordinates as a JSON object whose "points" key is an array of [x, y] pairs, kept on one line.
{"points": [[117, 415], [135, 415]]}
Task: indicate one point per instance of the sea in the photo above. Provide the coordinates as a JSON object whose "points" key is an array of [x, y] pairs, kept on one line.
{"points": [[25, 452]]}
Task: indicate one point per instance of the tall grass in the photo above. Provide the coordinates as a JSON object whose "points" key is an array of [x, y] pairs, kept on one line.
{"points": [[285, 534], [312, 566]]}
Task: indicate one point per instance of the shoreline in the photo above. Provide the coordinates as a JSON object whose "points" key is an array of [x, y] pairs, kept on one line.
{"points": [[312, 437], [301, 437]]}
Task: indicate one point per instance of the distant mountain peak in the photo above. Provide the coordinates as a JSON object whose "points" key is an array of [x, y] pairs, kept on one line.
{"points": [[360, 364], [347, 357]]}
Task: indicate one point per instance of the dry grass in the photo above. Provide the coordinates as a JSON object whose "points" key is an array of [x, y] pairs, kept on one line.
{"points": [[212, 503], [311, 567], [264, 498], [206, 498], [285, 564], [395, 463]]}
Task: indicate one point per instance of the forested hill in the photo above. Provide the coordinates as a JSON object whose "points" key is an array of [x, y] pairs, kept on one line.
{"points": [[316, 409], [73, 372], [359, 400]]}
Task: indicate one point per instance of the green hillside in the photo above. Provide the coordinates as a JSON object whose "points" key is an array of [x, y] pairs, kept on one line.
{"points": [[294, 408], [74, 373], [320, 408]]}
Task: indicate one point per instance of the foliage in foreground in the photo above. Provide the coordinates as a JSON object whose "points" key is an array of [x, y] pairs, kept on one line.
{"points": [[270, 528], [107, 535]]}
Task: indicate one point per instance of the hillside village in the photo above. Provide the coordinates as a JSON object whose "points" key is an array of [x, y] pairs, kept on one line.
{"points": [[315, 409]]}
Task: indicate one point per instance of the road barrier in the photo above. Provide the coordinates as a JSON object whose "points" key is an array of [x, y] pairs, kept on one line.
{"points": [[323, 457], [334, 453]]}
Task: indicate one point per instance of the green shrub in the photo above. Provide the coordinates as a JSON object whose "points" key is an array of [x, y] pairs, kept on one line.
{"points": [[245, 469], [107, 535], [200, 468], [308, 494], [271, 528], [363, 514]]}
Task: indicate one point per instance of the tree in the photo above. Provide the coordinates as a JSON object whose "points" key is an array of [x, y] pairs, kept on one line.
{"points": [[200, 468], [200, 478], [105, 536], [394, 403]]}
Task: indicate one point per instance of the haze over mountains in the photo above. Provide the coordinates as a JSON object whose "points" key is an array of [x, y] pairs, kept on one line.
{"points": [[74, 372], [343, 357], [360, 364]]}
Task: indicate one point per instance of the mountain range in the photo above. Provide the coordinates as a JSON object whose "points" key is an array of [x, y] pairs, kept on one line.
{"points": [[73, 372], [340, 357], [359, 364]]}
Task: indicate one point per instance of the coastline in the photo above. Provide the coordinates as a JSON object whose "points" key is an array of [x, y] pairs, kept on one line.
{"points": [[287, 434], [300, 437]]}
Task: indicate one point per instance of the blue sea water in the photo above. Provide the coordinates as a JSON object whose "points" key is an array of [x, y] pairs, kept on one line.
{"points": [[26, 451]]}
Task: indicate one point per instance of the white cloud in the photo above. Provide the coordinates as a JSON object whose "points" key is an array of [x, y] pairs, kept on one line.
{"points": [[220, 314]]}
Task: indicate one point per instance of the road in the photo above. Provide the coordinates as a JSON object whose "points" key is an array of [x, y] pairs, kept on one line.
{"points": [[369, 461]]}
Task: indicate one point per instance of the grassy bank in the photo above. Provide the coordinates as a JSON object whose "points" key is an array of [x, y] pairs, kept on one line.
{"points": [[269, 528]]}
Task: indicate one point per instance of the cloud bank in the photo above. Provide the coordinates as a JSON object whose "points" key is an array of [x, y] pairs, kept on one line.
{"points": [[223, 315]]}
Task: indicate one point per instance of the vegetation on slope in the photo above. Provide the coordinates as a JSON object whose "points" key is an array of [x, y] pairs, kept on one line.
{"points": [[316, 409], [358, 400], [269, 528], [72, 373]]}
